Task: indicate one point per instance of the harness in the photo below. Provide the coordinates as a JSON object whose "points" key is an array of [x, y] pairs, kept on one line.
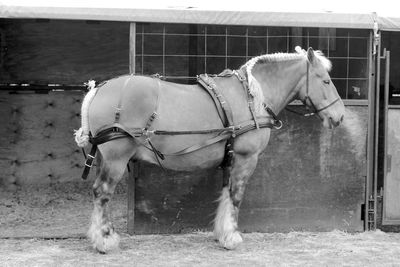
{"points": [[314, 109], [229, 132]]}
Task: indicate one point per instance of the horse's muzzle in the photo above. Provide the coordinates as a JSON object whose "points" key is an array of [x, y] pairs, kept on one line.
{"points": [[334, 123]]}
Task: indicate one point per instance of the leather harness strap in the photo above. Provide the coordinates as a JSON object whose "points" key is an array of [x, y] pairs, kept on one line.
{"points": [[210, 86], [119, 105], [223, 108], [250, 99], [101, 138]]}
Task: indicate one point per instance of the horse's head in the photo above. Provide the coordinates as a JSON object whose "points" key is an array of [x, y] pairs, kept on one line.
{"points": [[318, 92]]}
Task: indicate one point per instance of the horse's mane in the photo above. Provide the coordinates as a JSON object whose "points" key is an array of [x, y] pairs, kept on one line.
{"points": [[254, 86]]}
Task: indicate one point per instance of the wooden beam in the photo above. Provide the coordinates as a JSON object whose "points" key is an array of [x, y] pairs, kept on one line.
{"points": [[133, 176], [132, 48], [133, 166]]}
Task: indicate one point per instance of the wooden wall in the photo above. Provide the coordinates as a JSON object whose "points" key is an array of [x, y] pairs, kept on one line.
{"points": [[63, 52], [309, 178], [36, 142], [36, 137]]}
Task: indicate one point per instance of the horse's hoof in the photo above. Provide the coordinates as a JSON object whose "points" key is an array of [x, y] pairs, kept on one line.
{"points": [[108, 243], [232, 241], [104, 239], [101, 252]]}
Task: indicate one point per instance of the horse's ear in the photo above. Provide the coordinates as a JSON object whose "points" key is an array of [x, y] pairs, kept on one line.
{"points": [[310, 54]]}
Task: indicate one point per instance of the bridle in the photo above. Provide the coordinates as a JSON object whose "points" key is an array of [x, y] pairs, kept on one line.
{"points": [[314, 109]]}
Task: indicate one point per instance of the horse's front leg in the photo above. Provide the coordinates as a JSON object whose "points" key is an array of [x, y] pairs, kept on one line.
{"points": [[226, 221]]}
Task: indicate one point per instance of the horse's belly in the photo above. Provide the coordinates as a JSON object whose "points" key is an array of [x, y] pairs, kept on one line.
{"points": [[205, 158]]}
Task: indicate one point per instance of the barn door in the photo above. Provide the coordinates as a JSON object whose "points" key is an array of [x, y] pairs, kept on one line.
{"points": [[391, 197]]}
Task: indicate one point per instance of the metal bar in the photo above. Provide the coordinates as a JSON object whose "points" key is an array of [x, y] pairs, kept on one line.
{"points": [[370, 136], [142, 49], [347, 65], [386, 157], [222, 56], [226, 47], [247, 43], [236, 35], [163, 52], [376, 135], [205, 49]]}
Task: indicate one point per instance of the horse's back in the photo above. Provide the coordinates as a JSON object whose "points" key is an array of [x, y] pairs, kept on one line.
{"points": [[179, 106]]}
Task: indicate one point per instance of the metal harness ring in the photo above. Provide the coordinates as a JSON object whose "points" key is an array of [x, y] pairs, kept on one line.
{"points": [[278, 124]]}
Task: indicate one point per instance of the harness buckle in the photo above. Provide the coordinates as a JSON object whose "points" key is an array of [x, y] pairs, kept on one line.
{"points": [[147, 132], [278, 124], [89, 166], [89, 161], [233, 129], [240, 78]]}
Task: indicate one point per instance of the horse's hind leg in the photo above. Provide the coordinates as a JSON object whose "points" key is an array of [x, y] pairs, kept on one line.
{"points": [[226, 221], [114, 158]]}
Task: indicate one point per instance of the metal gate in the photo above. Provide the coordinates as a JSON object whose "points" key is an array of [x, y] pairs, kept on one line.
{"points": [[391, 197]]}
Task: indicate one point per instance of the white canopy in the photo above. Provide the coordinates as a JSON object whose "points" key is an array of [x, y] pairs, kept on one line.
{"points": [[311, 13]]}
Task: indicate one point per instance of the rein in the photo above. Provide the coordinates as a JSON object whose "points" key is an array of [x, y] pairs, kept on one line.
{"points": [[314, 109]]}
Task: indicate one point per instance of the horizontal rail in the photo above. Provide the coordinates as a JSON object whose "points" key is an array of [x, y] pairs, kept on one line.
{"points": [[41, 88]]}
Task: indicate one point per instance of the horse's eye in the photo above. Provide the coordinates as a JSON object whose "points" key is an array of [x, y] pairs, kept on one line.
{"points": [[327, 81]]}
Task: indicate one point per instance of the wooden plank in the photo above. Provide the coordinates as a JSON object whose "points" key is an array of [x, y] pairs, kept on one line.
{"points": [[174, 202], [63, 51], [309, 178], [132, 177]]}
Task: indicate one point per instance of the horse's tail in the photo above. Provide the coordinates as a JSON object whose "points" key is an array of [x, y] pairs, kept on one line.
{"points": [[82, 135]]}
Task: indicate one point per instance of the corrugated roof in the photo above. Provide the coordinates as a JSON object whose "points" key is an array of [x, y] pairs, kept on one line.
{"points": [[389, 24], [191, 15]]}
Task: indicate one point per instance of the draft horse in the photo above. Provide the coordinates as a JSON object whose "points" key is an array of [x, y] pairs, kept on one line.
{"points": [[224, 119]]}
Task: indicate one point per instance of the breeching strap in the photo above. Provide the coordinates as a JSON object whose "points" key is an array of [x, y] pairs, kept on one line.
{"points": [[103, 137]]}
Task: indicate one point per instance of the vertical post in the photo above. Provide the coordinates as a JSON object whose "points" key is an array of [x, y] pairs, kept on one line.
{"points": [[374, 61], [386, 158], [133, 166], [132, 48], [133, 176]]}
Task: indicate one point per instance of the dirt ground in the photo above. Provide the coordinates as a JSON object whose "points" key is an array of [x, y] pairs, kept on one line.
{"points": [[199, 249], [45, 226]]}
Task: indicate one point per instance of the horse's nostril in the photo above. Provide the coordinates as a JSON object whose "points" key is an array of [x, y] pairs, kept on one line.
{"points": [[341, 118], [334, 123]]}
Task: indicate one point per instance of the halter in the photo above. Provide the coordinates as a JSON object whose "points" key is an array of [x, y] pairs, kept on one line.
{"points": [[314, 110]]}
